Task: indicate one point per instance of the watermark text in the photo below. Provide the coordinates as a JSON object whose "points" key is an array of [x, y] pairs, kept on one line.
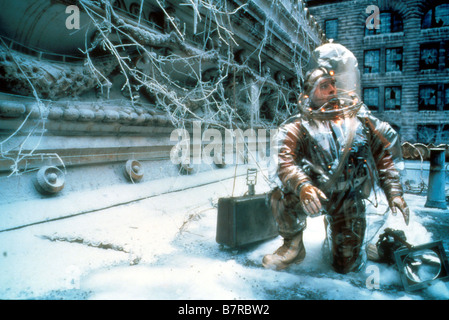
{"points": [[225, 146], [73, 20], [373, 21]]}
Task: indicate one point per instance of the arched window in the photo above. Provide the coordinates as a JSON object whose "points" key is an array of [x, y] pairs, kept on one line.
{"points": [[389, 22], [436, 17]]}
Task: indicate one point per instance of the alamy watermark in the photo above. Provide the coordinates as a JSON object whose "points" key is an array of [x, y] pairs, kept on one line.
{"points": [[73, 20], [224, 146], [373, 21], [373, 279]]}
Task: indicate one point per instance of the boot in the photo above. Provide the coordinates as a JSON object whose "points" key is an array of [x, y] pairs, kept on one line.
{"points": [[291, 252]]}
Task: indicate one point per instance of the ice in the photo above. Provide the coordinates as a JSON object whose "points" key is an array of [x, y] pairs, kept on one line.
{"points": [[439, 290]]}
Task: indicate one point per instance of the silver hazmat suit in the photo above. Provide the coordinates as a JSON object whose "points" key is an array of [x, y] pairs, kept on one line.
{"points": [[340, 148]]}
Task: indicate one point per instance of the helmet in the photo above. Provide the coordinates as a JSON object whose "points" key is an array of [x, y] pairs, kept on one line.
{"points": [[339, 62], [333, 61], [313, 77]]}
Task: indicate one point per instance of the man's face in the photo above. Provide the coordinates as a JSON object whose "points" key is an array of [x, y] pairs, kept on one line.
{"points": [[324, 91]]}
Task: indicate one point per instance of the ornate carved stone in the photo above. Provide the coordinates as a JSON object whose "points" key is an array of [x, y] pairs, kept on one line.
{"points": [[49, 180]]}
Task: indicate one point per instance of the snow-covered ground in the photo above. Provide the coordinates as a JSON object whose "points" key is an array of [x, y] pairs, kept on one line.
{"points": [[164, 247]]}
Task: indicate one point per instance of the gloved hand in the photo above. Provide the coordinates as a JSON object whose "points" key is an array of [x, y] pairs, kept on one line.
{"points": [[309, 197], [398, 202]]}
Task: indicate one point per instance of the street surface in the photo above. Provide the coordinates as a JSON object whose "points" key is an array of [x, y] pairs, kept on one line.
{"points": [[164, 247]]}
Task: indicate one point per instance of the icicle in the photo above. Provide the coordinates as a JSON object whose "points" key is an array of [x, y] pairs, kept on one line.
{"points": [[195, 15]]}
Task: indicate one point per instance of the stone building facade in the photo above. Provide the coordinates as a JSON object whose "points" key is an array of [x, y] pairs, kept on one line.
{"points": [[91, 92], [403, 53]]}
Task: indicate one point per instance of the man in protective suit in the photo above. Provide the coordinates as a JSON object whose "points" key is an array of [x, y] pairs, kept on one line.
{"points": [[330, 157]]}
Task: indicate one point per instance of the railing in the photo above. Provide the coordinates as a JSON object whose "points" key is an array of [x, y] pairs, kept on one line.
{"points": [[16, 46]]}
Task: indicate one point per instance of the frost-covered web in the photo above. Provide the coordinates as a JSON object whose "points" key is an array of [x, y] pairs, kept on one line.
{"points": [[223, 98], [210, 100], [37, 130]]}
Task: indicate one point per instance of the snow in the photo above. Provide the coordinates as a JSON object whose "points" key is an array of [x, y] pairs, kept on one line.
{"points": [[164, 247]]}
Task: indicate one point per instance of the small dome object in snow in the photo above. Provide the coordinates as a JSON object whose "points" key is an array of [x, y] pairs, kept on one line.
{"points": [[49, 180], [133, 170]]}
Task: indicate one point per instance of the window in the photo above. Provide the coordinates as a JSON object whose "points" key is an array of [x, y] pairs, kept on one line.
{"points": [[372, 61], [395, 127], [393, 98], [393, 59], [389, 22], [446, 97], [444, 134], [436, 17], [428, 97], [371, 98], [433, 133], [429, 56], [446, 55], [434, 97], [331, 29]]}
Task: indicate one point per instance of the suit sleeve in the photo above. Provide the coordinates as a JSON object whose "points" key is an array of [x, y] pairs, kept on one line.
{"points": [[385, 147], [290, 151]]}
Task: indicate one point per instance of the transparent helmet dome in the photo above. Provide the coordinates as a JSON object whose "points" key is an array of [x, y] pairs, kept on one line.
{"points": [[337, 65]]}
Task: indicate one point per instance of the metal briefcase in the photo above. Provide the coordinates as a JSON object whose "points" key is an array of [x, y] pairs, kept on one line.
{"points": [[244, 220]]}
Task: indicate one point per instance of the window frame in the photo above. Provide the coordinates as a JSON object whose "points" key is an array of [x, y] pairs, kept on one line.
{"points": [[365, 61], [446, 55], [427, 46], [427, 107], [431, 14], [445, 101], [394, 62], [336, 28], [395, 25], [367, 101], [396, 106]]}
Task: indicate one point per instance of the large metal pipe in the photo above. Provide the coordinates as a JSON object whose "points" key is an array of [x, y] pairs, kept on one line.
{"points": [[436, 197]]}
